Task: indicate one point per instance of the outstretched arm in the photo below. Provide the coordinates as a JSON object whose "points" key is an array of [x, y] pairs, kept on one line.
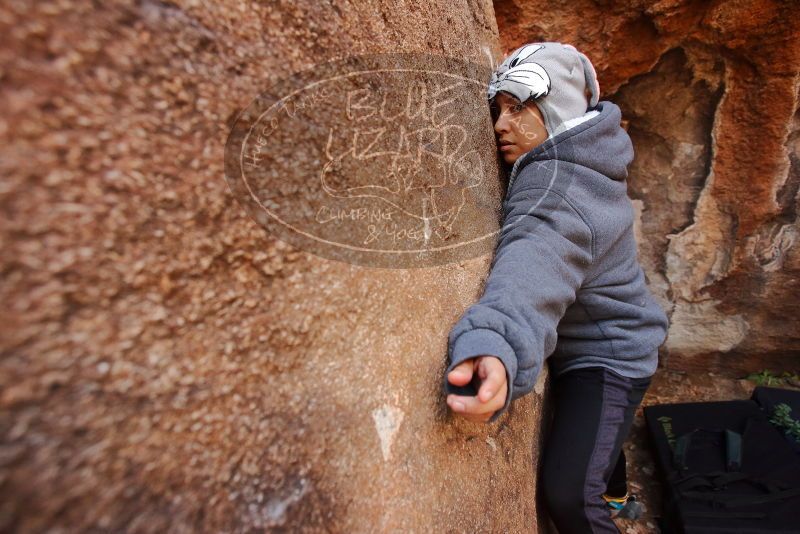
{"points": [[543, 253]]}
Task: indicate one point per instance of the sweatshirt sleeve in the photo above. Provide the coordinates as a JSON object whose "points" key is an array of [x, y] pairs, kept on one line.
{"points": [[542, 256]]}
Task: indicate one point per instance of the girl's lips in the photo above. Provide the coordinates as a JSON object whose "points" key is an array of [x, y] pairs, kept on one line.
{"points": [[506, 147]]}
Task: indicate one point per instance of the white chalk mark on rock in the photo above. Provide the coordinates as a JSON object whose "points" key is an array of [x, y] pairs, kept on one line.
{"points": [[274, 513], [488, 52], [387, 422]]}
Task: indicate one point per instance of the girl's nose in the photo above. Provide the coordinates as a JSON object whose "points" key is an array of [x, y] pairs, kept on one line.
{"points": [[501, 124]]}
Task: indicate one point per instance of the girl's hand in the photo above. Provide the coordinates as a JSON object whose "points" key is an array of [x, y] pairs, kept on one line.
{"points": [[491, 395]]}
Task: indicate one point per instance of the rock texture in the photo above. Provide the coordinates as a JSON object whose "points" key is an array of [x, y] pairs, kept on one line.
{"points": [[710, 92], [167, 366]]}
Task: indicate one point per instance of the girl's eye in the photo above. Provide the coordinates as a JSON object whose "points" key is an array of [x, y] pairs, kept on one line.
{"points": [[516, 108]]}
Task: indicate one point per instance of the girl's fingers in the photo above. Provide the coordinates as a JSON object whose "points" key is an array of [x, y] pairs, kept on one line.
{"points": [[472, 405], [493, 375], [461, 374], [480, 408]]}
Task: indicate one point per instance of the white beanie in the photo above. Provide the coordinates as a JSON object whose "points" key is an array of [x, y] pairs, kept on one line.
{"points": [[554, 75]]}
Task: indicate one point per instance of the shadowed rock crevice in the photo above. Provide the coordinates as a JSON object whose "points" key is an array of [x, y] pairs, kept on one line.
{"points": [[671, 115], [713, 182], [787, 196]]}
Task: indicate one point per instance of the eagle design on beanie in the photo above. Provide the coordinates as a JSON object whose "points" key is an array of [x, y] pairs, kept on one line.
{"points": [[518, 76]]}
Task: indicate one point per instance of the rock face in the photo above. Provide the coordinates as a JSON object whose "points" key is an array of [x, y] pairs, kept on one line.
{"points": [[170, 366], [711, 99]]}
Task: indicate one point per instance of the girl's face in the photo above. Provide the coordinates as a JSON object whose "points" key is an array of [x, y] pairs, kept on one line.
{"points": [[519, 127]]}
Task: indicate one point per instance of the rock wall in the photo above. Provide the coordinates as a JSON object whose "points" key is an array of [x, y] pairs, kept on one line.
{"points": [[167, 365], [710, 92]]}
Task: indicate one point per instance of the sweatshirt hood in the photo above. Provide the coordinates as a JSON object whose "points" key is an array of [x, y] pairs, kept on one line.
{"points": [[599, 144]]}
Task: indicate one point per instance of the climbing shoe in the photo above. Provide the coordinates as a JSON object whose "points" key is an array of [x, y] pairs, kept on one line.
{"points": [[626, 507]]}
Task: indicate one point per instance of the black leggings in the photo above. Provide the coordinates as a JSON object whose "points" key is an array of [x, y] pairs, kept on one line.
{"points": [[583, 458]]}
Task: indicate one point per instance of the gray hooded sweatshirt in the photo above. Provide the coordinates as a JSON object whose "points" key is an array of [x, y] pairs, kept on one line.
{"points": [[565, 282]]}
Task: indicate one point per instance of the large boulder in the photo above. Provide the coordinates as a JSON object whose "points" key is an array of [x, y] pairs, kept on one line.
{"points": [[168, 363]]}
